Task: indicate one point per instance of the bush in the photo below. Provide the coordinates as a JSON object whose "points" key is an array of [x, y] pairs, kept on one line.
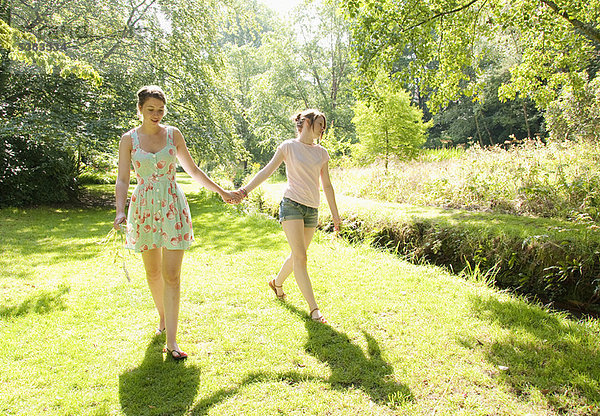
{"points": [[35, 172], [89, 177], [576, 114], [556, 179]]}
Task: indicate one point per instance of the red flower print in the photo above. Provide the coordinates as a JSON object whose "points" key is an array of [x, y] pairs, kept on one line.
{"points": [[161, 164]]}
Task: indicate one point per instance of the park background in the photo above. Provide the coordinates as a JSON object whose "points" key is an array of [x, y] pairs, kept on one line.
{"points": [[464, 151]]}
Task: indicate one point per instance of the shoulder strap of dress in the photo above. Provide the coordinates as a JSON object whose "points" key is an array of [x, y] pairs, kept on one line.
{"points": [[135, 141], [170, 137]]}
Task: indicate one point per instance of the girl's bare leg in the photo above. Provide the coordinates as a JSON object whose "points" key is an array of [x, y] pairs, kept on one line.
{"points": [[153, 264], [288, 265], [295, 233], [171, 272]]}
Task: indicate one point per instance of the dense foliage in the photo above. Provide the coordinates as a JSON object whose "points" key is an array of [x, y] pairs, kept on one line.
{"points": [[442, 46], [558, 179], [235, 72], [35, 172]]}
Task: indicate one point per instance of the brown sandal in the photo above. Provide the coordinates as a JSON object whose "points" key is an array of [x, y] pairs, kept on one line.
{"points": [[321, 319], [273, 286]]}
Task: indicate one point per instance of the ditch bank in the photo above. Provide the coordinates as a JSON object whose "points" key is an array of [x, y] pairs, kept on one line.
{"points": [[555, 261]]}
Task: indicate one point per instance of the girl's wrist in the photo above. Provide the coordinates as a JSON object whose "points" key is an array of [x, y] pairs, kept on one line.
{"points": [[244, 192]]}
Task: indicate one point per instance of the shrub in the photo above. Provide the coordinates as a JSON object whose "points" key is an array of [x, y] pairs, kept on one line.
{"points": [[35, 172], [557, 179], [576, 114]]}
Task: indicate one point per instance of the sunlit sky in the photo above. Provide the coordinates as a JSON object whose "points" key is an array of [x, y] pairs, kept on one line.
{"points": [[283, 7]]}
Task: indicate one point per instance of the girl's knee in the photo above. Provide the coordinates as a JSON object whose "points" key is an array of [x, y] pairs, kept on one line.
{"points": [[300, 258], [172, 279], [153, 276]]}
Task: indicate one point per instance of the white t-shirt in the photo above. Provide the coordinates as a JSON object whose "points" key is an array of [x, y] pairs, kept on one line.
{"points": [[303, 164]]}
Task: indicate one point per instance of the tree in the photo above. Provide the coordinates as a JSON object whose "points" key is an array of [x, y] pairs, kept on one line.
{"points": [[326, 57], [389, 125], [487, 121], [171, 43], [552, 43], [48, 96]]}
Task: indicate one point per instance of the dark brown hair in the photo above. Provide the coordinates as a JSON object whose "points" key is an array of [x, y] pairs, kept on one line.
{"points": [[150, 91], [311, 115]]}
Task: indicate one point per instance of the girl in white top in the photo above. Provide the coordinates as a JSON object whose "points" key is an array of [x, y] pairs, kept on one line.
{"points": [[305, 161]]}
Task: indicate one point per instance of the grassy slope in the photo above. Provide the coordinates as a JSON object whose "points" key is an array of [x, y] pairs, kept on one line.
{"points": [[405, 339]]}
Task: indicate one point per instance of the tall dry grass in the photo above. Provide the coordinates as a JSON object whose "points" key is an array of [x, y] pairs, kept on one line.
{"points": [[556, 179]]}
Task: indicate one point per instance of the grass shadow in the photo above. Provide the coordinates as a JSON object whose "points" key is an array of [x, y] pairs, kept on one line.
{"points": [[158, 386], [350, 366], [55, 232], [40, 303], [558, 357]]}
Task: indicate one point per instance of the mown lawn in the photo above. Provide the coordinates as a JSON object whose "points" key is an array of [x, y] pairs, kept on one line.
{"points": [[77, 337]]}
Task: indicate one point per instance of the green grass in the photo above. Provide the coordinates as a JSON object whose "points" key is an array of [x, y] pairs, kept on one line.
{"points": [[77, 338]]}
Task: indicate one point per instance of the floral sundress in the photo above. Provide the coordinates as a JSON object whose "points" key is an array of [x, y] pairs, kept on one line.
{"points": [[158, 215]]}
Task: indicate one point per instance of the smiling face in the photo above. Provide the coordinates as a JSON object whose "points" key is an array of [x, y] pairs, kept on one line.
{"points": [[152, 111]]}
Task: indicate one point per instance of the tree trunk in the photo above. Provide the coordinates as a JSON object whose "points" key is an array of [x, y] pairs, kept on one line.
{"points": [[387, 148], [478, 131], [526, 120], [4, 60]]}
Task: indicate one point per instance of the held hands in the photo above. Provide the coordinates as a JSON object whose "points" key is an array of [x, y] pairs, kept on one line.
{"points": [[231, 197], [235, 197]]}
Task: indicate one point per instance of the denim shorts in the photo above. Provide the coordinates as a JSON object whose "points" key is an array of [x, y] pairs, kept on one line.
{"points": [[292, 210]]}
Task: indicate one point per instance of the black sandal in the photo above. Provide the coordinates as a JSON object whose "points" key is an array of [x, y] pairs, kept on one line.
{"points": [[180, 354]]}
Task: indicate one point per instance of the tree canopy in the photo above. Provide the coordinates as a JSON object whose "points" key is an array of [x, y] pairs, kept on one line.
{"points": [[440, 45], [389, 125]]}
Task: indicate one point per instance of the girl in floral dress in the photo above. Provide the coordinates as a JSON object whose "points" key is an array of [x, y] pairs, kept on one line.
{"points": [[158, 220]]}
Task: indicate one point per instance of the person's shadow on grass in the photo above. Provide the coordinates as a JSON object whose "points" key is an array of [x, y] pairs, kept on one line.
{"points": [[350, 366], [158, 386]]}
